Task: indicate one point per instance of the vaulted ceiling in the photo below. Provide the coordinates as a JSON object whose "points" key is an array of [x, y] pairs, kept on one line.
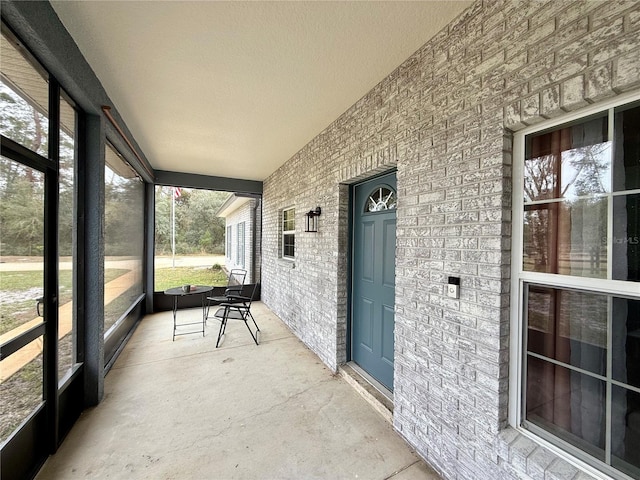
{"points": [[234, 89]]}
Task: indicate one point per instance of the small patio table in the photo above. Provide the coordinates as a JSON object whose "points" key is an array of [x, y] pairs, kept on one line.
{"points": [[178, 292]]}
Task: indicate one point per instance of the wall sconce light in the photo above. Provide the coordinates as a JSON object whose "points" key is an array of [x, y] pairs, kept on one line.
{"points": [[311, 220]]}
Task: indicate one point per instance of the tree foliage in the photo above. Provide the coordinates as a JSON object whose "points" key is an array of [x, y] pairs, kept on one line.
{"points": [[21, 188], [197, 229], [21, 210], [123, 215]]}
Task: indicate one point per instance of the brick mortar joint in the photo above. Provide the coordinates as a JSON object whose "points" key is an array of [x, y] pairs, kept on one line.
{"points": [[508, 437]]}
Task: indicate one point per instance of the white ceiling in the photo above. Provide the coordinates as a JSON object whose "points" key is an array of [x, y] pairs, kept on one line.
{"points": [[234, 89]]}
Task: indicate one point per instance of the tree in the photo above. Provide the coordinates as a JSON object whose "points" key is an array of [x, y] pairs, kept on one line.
{"points": [[21, 209], [198, 230], [567, 184], [21, 188], [124, 215], [22, 122]]}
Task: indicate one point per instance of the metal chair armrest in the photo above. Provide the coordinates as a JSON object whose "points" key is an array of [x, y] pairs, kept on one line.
{"points": [[238, 298]]}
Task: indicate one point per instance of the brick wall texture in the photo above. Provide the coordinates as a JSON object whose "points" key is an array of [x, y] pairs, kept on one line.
{"points": [[445, 119]]}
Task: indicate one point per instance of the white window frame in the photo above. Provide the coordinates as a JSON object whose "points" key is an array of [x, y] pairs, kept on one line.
{"points": [[519, 277], [229, 242], [284, 232]]}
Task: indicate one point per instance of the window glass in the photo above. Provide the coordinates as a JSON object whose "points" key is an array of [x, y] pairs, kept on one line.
{"points": [[24, 100], [626, 237], [380, 199], [626, 167], [124, 237], [568, 403], [229, 241], [289, 244], [624, 435], [626, 208], [570, 205], [289, 220], [567, 237], [66, 239], [568, 162], [568, 326], [626, 343], [288, 233], [569, 369]]}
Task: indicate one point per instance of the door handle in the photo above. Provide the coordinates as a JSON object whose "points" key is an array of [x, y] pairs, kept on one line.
{"points": [[40, 301]]}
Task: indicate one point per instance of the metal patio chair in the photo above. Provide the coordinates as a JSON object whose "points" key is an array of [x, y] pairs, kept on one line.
{"points": [[235, 283], [238, 309]]}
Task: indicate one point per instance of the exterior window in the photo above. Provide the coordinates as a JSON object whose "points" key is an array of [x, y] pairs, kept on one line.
{"points": [[578, 204], [288, 233], [381, 199], [229, 241], [240, 246]]}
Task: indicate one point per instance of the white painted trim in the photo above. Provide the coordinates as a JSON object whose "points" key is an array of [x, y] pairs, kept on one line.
{"points": [[515, 330], [619, 288]]}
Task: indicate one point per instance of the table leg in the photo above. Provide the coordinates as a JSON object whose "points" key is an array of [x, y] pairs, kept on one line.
{"points": [[175, 309], [204, 315]]}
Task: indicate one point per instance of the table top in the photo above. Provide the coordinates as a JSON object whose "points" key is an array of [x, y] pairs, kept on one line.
{"points": [[195, 289]]}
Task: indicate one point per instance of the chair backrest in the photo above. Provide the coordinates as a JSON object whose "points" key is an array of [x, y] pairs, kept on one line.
{"points": [[247, 294], [235, 281], [236, 277]]}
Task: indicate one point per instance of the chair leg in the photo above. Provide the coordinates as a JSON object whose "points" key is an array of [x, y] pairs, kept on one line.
{"points": [[254, 322], [246, 322], [255, 337], [256, 325], [223, 325]]}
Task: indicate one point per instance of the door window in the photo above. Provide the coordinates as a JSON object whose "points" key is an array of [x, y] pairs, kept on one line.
{"points": [[380, 199], [24, 119], [67, 338]]}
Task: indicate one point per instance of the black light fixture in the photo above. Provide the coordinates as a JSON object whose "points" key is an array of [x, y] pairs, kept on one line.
{"points": [[311, 220]]}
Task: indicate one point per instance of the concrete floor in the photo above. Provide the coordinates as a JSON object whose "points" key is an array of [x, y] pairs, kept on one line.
{"points": [[186, 410]]}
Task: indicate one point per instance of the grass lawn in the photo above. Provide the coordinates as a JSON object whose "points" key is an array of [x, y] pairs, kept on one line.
{"points": [[26, 286], [176, 276]]}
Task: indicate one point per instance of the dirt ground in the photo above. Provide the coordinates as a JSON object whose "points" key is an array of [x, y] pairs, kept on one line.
{"points": [[17, 264]]}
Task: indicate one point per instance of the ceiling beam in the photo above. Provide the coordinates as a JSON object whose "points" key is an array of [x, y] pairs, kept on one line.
{"points": [[223, 184]]}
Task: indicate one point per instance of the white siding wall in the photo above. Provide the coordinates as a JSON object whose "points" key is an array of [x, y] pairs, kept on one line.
{"points": [[244, 214]]}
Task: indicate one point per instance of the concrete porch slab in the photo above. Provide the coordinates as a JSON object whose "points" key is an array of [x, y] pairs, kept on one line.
{"points": [[186, 410]]}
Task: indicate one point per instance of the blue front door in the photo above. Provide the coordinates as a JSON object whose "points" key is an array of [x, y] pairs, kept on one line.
{"points": [[373, 277]]}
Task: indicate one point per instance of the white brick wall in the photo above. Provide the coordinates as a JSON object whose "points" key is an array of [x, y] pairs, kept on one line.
{"points": [[233, 219], [445, 119]]}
